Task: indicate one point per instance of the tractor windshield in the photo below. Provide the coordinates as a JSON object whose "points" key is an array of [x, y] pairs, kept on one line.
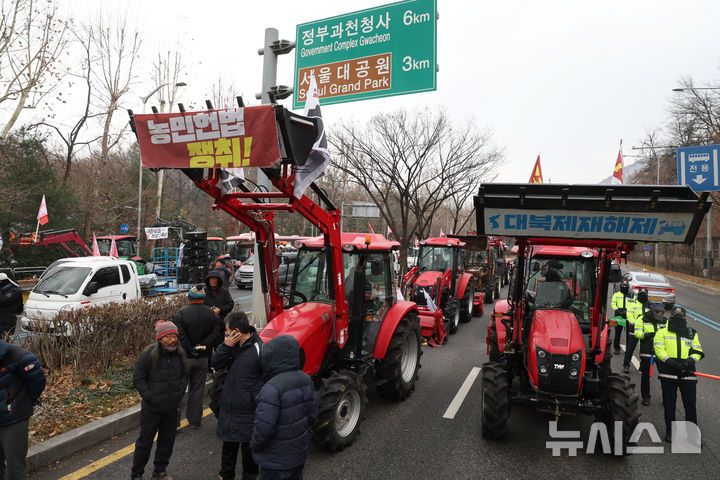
{"points": [[562, 282], [477, 258], [435, 258], [310, 283]]}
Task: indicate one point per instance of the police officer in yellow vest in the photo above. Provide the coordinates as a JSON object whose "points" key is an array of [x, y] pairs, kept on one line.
{"points": [[621, 302], [635, 311], [677, 349], [646, 326]]}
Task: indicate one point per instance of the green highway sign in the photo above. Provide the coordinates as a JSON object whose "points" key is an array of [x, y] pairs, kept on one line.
{"points": [[377, 52]]}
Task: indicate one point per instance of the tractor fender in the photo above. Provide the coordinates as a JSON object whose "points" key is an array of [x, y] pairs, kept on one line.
{"points": [[462, 285], [389, 325], [502, 307]]}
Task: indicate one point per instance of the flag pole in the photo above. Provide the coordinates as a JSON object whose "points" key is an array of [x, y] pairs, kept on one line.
{"points": [[37, 229]]}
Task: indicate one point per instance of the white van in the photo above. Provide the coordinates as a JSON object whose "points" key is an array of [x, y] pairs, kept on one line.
{"points": [[82, 282]]}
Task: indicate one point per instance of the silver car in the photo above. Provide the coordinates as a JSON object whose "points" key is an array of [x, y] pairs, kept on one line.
{"points": [[659, 289]]}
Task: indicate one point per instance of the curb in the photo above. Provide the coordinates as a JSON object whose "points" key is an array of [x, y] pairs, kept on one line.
{"points": [[682, 276], [69, 443]]}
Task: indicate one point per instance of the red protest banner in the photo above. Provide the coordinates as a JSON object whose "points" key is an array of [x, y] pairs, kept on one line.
{"points": [[230, 138]]}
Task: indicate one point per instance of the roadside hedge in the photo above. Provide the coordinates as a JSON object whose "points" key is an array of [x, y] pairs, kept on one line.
{"points": [[99, 337]]}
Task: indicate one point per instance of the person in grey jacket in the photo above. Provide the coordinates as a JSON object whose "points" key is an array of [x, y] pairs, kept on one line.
{"points": [[161, 378]]}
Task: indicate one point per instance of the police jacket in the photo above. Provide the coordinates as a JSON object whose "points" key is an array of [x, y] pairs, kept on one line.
{"points": [[647, 326], [286, 407], [621, 302], [22, 381], [674, 343]]}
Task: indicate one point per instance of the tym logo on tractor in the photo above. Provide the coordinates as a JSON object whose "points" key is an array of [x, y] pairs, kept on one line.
{"points": [[548, 342]]}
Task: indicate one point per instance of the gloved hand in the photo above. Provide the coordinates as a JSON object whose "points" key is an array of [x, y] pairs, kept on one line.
{"points": [[648, 336], [690, 361], [622, 312], [675, 365], [685, 370]]}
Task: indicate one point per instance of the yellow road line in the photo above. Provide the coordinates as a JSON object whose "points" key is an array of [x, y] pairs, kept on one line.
{"points": [[114, 457]]}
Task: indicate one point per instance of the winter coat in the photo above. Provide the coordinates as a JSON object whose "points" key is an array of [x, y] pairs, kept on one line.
{"points": [[287, 406], [22, 381], [220, 297], [10, 304], [161, 378], [198, 325], [242, 384]]}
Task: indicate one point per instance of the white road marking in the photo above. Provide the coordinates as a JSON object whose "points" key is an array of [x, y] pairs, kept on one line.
{"points": [[461, 394], [633, 359]]}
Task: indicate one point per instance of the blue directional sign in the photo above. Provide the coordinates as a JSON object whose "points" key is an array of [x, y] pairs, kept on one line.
{"points": [[697, 167], [124, 228]]}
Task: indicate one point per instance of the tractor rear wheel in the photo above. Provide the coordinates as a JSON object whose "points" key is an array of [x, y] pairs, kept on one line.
{"points": [[467, 305], [451, 312], [495, 400], [342, 398], [400, 366], [497, 289], [489, 293], [621, 406]]}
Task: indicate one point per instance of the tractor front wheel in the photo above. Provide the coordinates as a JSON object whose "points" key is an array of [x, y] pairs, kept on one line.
{"points": [[495, 397], [467, 305], [452, 315], [621, 406], [342, 398], [400, 366]]}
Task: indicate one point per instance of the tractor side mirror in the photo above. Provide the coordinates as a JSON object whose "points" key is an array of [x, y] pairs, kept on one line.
{"points": [[500, 267], [615, 275], [91, 288]]}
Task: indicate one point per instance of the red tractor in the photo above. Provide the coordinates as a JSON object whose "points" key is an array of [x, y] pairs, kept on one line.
{"points": [[548, 343], [438, 282], [350, 338]]}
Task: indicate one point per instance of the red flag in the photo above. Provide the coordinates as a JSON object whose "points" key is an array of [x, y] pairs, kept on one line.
{"points": [[113, 249], [442, 234], [618, 177], [42, 215], [95, 248], [536, 175], [389, 232], [370, 228]]}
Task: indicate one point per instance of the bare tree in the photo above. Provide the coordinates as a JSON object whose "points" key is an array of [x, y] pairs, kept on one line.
{"points": [[31, 38], [167, 71], [411, 165]]}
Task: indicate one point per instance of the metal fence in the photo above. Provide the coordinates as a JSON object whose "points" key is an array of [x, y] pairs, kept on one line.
{"points": [[687, 259]]}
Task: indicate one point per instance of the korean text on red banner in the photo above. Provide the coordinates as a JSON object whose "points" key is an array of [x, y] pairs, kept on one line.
{"points": [[231, 138]]}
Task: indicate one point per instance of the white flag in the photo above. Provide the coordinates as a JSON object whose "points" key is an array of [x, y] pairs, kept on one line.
{"points": [[430, 304], [319, 157]]}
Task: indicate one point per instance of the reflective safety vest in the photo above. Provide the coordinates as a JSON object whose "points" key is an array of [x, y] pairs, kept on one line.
{"points": [[620, 300], [671, 345], [646, 323], [636, 310]]}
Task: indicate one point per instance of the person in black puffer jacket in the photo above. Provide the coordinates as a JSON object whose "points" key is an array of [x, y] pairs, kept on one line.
{"points": [[11, 303], [199, 330], [217, 296], [22, 381], [160, 377], [241, 354], [287, 406]]}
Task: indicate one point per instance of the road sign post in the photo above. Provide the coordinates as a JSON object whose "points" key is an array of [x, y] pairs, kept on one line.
{"points": [[698, 168], [377, 52]]}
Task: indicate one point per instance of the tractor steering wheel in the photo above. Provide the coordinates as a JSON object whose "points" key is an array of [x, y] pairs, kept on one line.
{"points": [[295, 293]]}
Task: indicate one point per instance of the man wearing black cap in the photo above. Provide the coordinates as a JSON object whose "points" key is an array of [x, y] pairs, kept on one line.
{"points": [[646, 326], [224, 270], [677, 348]]}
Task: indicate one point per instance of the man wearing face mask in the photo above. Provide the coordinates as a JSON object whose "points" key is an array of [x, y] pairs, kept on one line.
{"points": [[637, 309], [646, 327], [677, 348], [621, 303]]}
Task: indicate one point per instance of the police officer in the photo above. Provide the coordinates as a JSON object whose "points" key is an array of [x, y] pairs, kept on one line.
{"points": [[677, 348], [646, 326], [619, 303], [639, 306]]}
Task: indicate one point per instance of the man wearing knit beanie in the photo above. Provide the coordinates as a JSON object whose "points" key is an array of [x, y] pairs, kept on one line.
{"points": [[161, 378], [199, 331]]}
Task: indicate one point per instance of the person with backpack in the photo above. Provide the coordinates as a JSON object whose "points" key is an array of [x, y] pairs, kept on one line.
{"points": [[22, 381], [240, 355], [11, 304]]}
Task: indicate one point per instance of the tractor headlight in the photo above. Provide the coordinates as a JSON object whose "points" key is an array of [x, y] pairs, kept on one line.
{"points": [[543, 369], [575, 357], [541, 353], [573, 372]]}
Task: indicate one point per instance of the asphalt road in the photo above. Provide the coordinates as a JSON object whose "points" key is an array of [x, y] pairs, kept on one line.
{"points": [[412, 439]]}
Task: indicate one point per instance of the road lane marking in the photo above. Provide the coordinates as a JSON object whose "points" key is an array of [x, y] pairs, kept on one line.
{"points": [[461, 394], [633, 360], [237, 299], [114, 457]]}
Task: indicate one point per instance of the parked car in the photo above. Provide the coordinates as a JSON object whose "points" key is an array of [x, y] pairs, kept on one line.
{"points": [[659, 289], [244, 273]]}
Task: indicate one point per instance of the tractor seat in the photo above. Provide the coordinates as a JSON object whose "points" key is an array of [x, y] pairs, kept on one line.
{"points": [[553, 294]]}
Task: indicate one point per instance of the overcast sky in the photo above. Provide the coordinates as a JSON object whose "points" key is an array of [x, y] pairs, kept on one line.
{"points": [[565, 79]]}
